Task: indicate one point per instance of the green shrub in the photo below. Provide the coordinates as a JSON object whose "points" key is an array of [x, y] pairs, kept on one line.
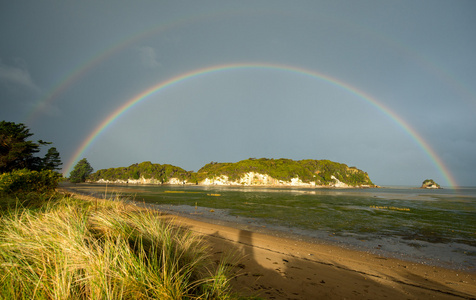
{"points": [[27, 181]]}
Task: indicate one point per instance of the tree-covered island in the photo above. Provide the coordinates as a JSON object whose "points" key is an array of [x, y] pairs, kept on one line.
{"points": [[249, 172]]}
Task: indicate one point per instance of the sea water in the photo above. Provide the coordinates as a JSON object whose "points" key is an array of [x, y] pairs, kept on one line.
{"points": [[436, 227]]}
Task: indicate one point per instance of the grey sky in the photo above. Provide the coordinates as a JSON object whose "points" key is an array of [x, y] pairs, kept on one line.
{"points": [[72, 64]]}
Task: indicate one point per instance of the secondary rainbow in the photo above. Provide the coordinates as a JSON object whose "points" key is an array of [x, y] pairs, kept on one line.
{"points": [[227, 67], [80, 70]]}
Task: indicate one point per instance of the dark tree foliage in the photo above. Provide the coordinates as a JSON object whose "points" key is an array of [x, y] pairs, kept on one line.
{"points": [[146, 170], [16, 152], [52, 160], [81, 171]]}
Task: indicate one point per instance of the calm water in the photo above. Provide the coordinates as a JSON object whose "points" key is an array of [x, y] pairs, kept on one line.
{"points": [[435, 227]]}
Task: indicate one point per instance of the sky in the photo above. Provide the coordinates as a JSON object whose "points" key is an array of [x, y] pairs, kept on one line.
{"points": [[386, 86]]}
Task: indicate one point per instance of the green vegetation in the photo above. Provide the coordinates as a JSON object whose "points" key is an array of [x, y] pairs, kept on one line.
{"points": [[147, 170], [74, 249], [24, 176], [309, 170], [16, 152], [81, 171], [26, 181], [27, 188]]}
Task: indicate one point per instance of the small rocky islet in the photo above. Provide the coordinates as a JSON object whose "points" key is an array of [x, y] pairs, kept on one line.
{"points": [[430, 184]]}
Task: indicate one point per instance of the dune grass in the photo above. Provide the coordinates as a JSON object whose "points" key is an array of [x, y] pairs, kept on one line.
{"points": [[75, 249]]}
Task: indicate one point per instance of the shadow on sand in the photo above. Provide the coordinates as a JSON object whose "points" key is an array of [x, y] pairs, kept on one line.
{"points": [[268, 273]]}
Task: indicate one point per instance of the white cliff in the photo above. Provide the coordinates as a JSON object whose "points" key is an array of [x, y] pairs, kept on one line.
{"points": [[338, 183], [142, 180], [257, 179], [247, 179]]}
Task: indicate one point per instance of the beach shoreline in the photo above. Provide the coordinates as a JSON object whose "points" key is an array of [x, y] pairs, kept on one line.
{"points": [[277, 267], [282, 268]]}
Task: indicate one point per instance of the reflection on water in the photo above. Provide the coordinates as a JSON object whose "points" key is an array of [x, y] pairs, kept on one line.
{"points": [[430, 226]]}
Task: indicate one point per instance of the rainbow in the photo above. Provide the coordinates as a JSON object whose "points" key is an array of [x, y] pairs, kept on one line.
{"points": [[86, 143]]}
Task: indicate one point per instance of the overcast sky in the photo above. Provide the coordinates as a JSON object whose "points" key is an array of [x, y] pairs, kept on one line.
{"points": [[65, 66]]}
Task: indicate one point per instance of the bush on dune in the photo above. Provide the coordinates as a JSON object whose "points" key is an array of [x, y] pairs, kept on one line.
{"points": [[27, 188], [73, 249], [23, 181]]}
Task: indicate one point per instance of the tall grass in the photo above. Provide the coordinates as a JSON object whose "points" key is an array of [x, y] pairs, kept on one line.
{"points": [[73, 249]]}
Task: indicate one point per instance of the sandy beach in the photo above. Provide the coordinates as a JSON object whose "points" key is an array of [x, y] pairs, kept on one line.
{"points": [[273, 267], [277, 268]]}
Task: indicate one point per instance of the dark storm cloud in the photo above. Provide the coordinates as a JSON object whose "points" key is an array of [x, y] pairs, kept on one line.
{"points": [[415, 58]]}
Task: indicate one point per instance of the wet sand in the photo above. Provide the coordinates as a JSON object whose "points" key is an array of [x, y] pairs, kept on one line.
{"points": [[279, 268], [274, 267]]}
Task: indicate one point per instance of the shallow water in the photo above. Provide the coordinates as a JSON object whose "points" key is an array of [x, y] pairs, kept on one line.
{"points": [[436, 227]]}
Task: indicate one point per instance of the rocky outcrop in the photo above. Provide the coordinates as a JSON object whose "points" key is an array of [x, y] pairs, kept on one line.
{"points": [[430, 184]]}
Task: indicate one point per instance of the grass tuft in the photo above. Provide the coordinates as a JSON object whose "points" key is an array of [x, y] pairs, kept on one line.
{"points": [[73, 249]]}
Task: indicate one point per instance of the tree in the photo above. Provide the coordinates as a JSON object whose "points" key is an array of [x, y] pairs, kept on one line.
{"points": [[81, 171], [15, 151], [52, 160]]}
